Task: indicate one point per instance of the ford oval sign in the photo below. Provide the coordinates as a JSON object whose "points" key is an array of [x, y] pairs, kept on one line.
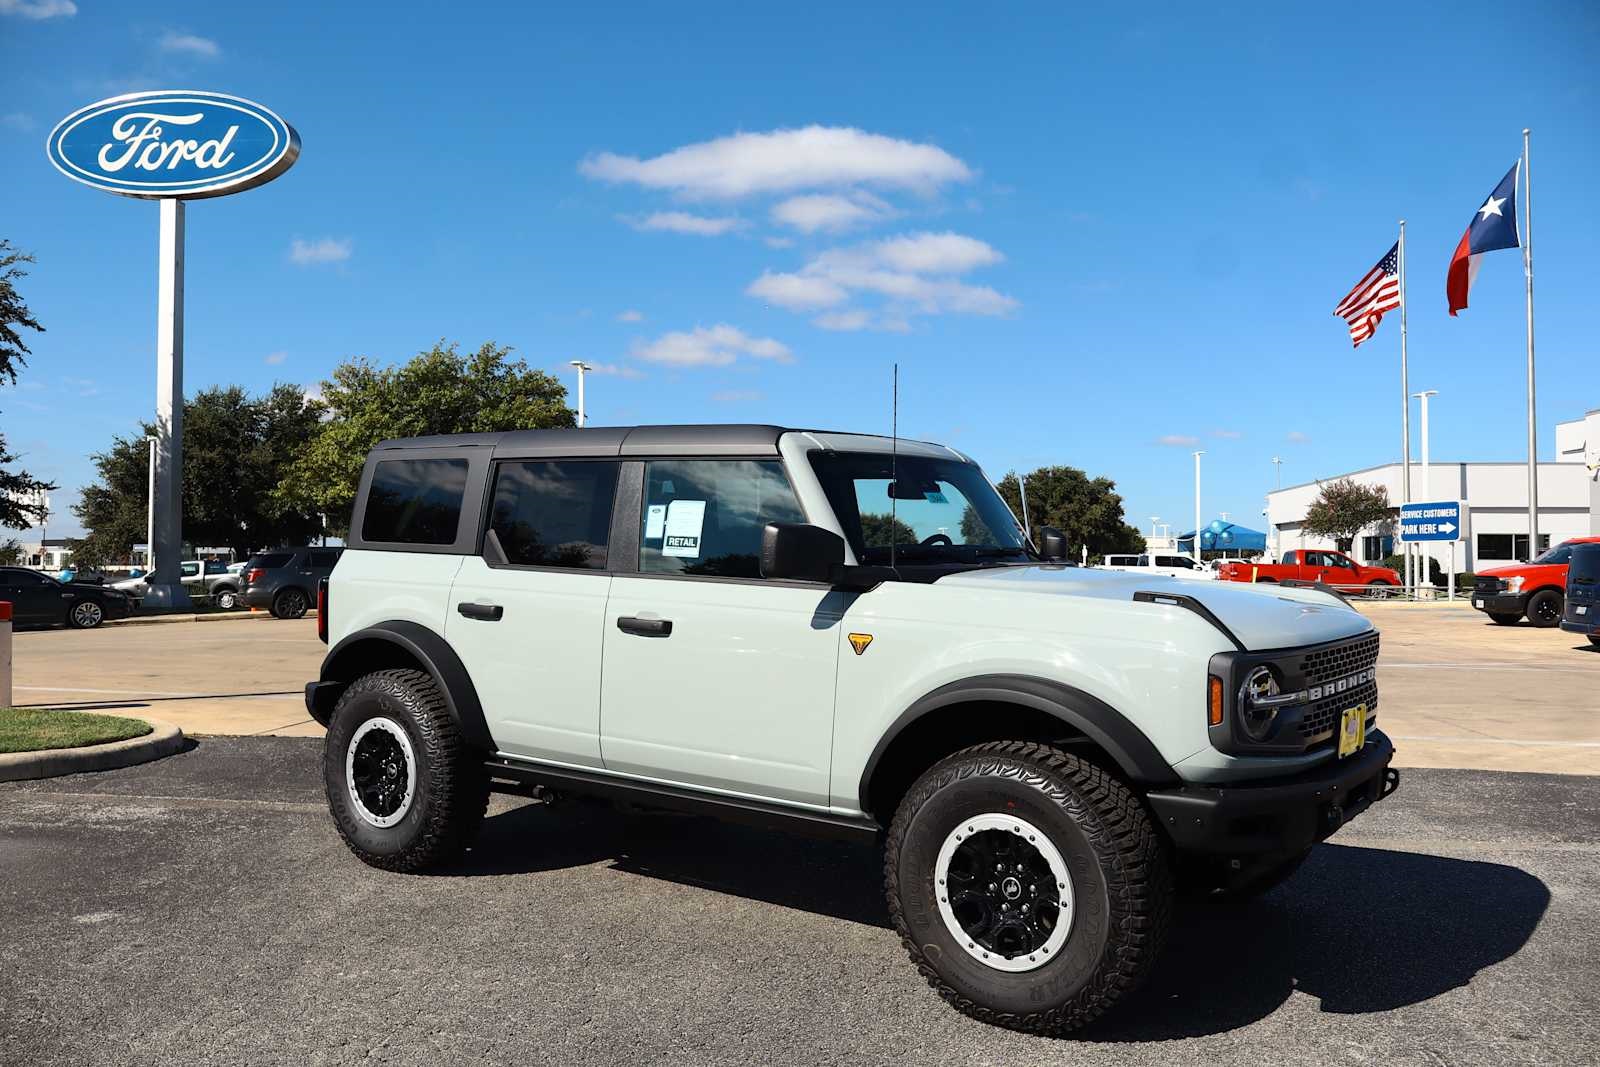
{"points": [[173, 144]]}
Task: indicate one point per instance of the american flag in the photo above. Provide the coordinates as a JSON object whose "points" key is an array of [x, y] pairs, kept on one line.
{"points": [[1378, 292]]}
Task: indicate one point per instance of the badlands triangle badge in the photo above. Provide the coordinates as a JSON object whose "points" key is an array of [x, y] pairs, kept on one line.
{"points": [[859, 642]]}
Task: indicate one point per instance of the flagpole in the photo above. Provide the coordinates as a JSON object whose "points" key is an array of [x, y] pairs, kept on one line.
{"points": [[1527, 270], [1405, 403]]}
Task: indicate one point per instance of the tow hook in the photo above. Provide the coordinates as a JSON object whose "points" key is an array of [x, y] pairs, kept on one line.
{"points": [[1391, 782], [1332, 819]]}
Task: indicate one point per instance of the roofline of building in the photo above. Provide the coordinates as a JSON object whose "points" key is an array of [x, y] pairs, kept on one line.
{"points": [[1431, 463]]}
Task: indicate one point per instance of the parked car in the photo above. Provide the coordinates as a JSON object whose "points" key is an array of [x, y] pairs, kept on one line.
{"points": [[1173, 566], [1535, 590], [1582, 612], [846, 635], [39, 599], [1312, 565], [284, 580], [211, 578]]}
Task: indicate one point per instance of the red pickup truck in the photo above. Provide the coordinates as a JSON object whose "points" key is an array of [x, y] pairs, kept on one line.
{"points": [[1314, 565], [1536, 589]]}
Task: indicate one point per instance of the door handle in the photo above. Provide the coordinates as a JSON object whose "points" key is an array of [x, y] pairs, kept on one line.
{"points": [[632, 624], [483, 612]]}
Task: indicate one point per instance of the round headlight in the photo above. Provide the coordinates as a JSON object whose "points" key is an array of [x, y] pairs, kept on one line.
{"points": [[1257, 721]]}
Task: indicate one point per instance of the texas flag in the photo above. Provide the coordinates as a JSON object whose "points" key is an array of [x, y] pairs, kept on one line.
{"points": [[1493, 227]]}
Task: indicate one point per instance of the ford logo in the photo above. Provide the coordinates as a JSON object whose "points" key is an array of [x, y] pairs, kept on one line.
{"points": [[173, 143]]}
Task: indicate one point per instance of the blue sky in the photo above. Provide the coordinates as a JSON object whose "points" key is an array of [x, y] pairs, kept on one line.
{"points": [[1087, 239]]}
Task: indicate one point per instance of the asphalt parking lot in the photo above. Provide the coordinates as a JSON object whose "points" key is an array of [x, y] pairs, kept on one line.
{"points": [[202, 910]]}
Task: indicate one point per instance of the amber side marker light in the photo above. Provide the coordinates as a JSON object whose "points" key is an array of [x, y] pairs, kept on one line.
{"points": [[1216, 701]]}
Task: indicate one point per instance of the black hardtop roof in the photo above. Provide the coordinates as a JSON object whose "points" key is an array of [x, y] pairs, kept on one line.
{"points": [[728, 439]]}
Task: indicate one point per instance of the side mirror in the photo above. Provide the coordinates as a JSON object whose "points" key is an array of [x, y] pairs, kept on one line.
{"points": [[1052, 543], [800, 551]]}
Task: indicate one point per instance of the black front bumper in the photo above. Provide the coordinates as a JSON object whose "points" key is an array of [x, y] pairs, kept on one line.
{"points": [[1500, 603], [1281, 816]]}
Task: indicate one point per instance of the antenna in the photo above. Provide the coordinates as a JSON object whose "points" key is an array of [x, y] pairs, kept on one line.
{"points": [[894, 460], [1022, 492]]}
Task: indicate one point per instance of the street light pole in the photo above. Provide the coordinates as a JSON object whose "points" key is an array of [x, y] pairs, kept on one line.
{"points": [[150, 509], [583, 368], [1277, 472], [1424, 555], [1197, 456]]}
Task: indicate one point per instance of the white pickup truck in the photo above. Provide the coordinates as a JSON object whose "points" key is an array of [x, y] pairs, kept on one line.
{"points": [[1169, 566], [212, 578]]}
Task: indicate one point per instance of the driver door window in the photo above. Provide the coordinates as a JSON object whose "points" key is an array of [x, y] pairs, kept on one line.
{"points": [[705, 517]]}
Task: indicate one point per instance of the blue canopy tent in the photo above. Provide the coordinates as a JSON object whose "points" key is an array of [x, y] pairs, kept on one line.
{"points": [[1225, 537]]}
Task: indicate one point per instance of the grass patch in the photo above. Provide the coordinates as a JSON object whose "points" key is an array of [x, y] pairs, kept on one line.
{"points": [[31, 730]]}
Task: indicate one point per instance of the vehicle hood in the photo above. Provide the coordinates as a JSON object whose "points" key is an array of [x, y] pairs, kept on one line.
{"points": [[1511, 570], [1261, 617]]}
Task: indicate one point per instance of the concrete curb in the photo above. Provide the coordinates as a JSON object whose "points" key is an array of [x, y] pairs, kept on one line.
{"points": [[163, 740], [229, 616]]}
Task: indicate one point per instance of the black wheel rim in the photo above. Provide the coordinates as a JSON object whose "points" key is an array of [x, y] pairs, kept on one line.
{"points": [[379, 771], [1003, 893], [293, 603], [1547, 609]]}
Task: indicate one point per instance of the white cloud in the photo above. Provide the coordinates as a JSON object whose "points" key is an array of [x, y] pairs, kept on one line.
{"points": [[1227, 435], [683, 222], [38, 9], [855, 319], [778, 242], [16, 120], [630, 315], [190, 44], [813, 157], [1178, 440], [797, 292], [716, 346], [615, 370], [829, 212], [274, 359], [322, 250], [914, 274], [1297, 437]]}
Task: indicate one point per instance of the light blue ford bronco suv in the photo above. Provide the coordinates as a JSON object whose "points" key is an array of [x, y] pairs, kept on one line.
{"points": [[840, 634]]}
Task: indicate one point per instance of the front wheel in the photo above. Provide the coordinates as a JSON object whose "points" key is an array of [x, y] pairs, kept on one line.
{"points": [[1502, 618], [1378, 589], [1028, 886], [405, 789], [86, 615], [1544, 608]]}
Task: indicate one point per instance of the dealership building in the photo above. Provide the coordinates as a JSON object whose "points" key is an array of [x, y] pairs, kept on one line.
{"points": [[1494, 499]]}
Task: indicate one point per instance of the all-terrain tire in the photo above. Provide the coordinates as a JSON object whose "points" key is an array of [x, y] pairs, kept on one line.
{"points": [[451, 789], [1505, 618], [1122, 891], [290, 604], [1544, 608]]}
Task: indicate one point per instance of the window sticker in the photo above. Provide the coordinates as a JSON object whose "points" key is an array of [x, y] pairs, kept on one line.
{"points": [[655, 522], [685, 520]]}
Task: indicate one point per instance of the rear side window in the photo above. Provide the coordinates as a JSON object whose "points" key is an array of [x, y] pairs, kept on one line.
{"points": [[415, 501], [554, 514], [269, 561], [322, 558], [705, 517]]}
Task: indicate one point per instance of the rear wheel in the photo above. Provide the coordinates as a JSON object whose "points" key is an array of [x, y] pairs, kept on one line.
{"points": [[227, 599], [1505, 619], [1027, 885], [1544, 608], [289, 604], [1594, 639], [405, 790]]}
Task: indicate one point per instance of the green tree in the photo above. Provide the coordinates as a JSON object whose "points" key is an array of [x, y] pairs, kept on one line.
{"points": [[879, 530], [10, 552], [236, 450], [1088, 510], [16, 486], [440, 391], [1344, 508]]}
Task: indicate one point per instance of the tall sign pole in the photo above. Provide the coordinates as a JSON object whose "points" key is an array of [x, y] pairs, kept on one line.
{"points": [[1405, 406], [1527, 270], [172, 146]]}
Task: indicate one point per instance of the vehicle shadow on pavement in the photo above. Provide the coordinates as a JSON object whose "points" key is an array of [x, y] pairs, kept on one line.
{"points": [[838, 879], [1361, 929]]}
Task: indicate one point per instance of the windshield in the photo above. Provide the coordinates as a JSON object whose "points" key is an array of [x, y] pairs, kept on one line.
{"points": [[931, 510], [1562, 553]]}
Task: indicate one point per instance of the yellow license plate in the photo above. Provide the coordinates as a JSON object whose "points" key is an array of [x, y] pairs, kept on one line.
{"points": [[1352, 730]]}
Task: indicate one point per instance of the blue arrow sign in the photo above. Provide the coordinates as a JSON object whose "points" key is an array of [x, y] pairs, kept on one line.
{"points": [[1439, 520]]}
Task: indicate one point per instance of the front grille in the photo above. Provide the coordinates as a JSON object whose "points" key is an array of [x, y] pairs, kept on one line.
{"points": [[1320, 720], [1486, 584]]}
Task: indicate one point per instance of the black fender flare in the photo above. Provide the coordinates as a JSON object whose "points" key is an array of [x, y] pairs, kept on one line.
{"points": [[431, 651], [1136, 757]]}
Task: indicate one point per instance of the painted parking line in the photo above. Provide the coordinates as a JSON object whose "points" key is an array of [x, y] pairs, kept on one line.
{"points": [[145, 694], [1495, 741], [1483, 667]]}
